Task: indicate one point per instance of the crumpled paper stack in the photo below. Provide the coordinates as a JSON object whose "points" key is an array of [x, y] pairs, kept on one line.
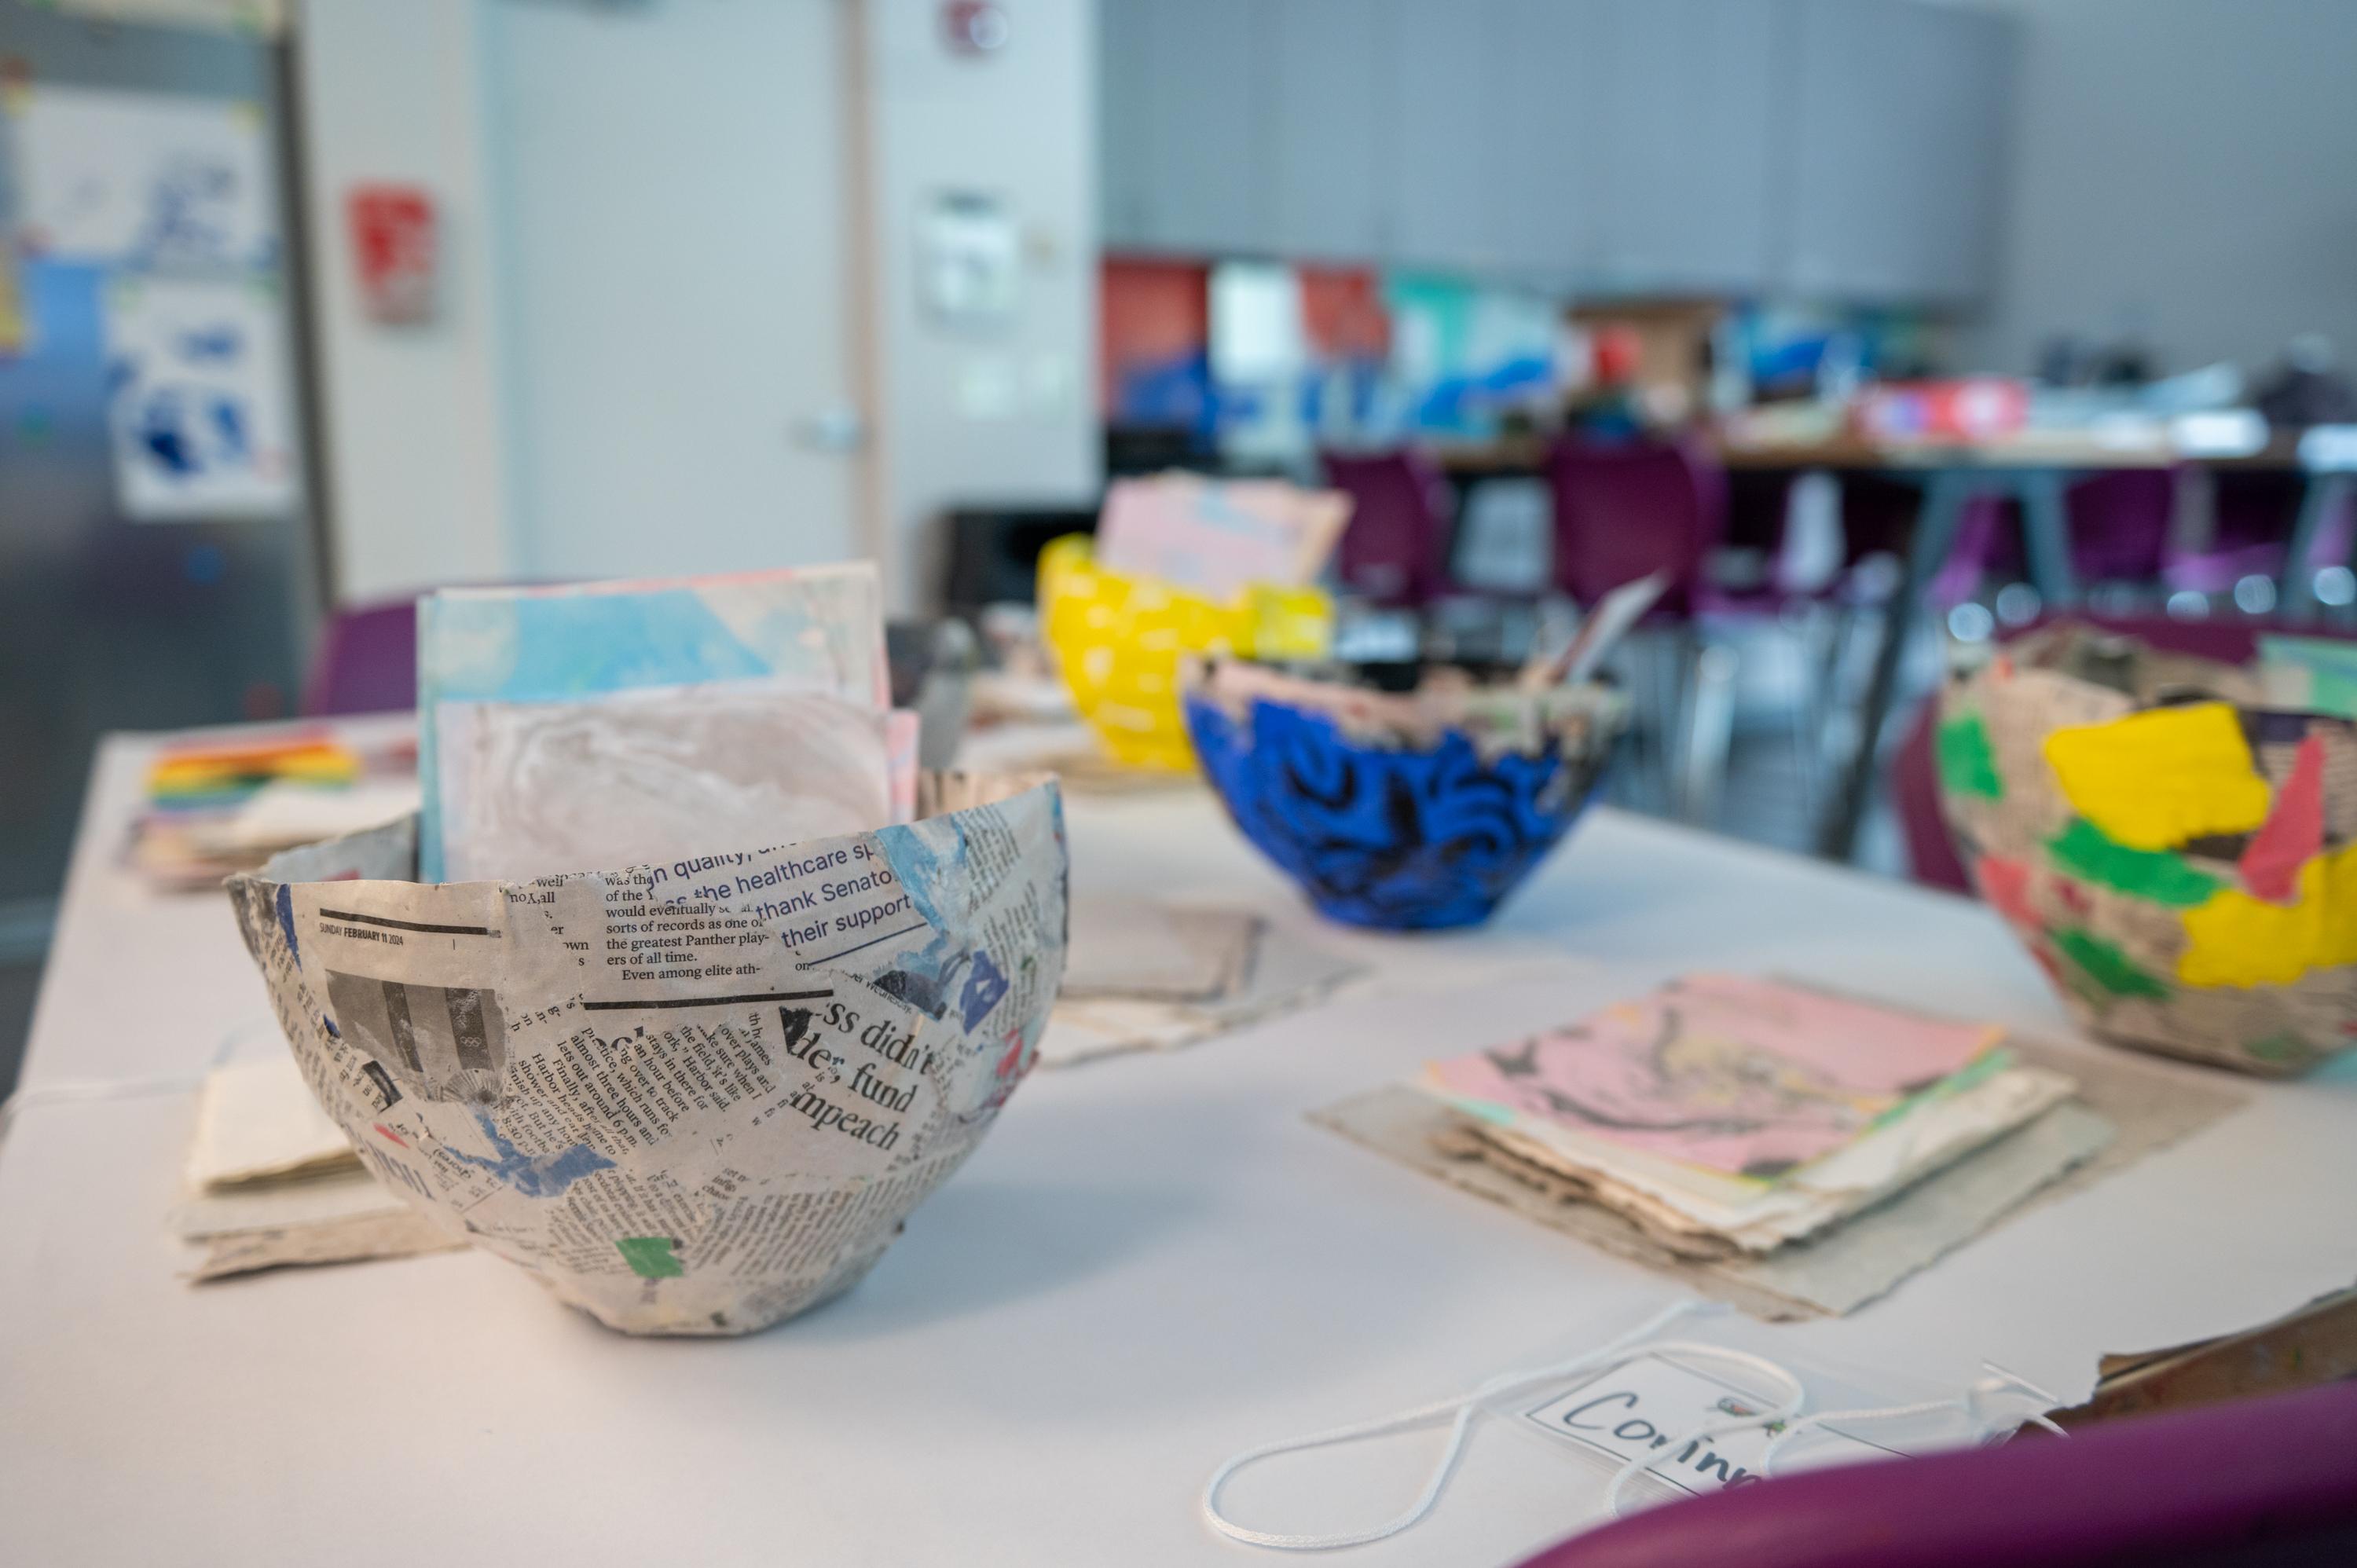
{"points": [[1144, 976], [272, 1183], [1783, 1147]]}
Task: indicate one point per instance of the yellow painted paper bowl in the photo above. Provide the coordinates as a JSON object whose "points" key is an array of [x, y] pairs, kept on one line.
{"points": [[1119, 640], [2178, 856]]}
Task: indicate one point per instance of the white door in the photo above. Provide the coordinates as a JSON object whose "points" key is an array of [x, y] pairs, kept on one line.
{"points": [[672, 240]]}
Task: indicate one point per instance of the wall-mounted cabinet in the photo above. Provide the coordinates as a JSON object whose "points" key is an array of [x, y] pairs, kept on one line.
{"points": [[1442, 191], [1188, 108], [1331, 138], [1848, 148], [1896, 115], [1680, 143]]}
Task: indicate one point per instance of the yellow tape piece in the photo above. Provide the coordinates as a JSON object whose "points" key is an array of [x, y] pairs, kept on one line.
{"points": [[2154, 780], [2236, 939]]}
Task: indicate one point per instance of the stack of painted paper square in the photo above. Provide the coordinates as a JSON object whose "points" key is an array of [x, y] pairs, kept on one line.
{"points": [[606, 724], [1725, 1114]]}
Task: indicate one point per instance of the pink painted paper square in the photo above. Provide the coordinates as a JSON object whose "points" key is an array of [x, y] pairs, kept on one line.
{"points": [[1733, 1074]]}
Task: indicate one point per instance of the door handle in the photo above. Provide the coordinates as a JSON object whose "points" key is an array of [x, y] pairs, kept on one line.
{"points": [[831, 430]]}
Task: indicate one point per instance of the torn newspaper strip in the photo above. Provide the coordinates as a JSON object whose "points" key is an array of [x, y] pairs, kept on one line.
{"points": [[695, 1098]]}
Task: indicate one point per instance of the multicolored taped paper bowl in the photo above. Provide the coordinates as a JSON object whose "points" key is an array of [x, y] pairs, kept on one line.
{"points": [[1119, 640], [2177, 855]]}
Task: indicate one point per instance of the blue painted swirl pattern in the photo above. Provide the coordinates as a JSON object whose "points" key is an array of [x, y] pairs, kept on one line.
{"points": [[1382, 837]]}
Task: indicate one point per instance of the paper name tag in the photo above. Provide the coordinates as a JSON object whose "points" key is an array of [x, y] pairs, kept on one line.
{"points": [[1648, 1405]]}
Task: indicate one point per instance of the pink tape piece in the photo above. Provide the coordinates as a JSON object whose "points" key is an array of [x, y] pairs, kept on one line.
{"points": [[2293, 833], [2006, 884]]}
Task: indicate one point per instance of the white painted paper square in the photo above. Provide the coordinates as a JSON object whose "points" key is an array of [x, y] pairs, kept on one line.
{"points": [[644, 778]]}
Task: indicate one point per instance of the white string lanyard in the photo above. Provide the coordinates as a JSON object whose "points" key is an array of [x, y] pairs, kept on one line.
{"points": [[1997, 1381], [1614, 1353], [1465, 1407]]}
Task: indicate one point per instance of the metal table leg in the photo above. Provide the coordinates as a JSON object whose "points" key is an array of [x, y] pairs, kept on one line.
{"points": [[2046, 533], [1935, 533], [2297, 592]]}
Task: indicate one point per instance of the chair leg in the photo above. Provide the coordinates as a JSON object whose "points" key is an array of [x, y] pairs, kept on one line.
{"points": [[1654, 676], [1829, 625], [1707, 729]]}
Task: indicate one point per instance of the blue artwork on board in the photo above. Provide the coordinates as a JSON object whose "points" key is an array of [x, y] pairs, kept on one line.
{"points": [[1396, 837]]}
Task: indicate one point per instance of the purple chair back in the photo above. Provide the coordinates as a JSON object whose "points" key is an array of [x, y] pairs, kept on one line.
{"points": [[2255, 512], [2119, 523], [2270, 1482], [1395, 550], [1914, 777], [366, 661], [1623, 511]]}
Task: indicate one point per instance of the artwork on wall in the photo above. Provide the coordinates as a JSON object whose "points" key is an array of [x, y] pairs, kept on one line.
{"points": [[1154, 332], [140, 180], [15, 328], [199, 419], [1269, 360], [970, 265], [392, 230]]}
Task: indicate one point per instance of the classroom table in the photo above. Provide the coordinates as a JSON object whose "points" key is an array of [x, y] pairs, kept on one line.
{"points": [[1152, 1263], [2035, 469]]}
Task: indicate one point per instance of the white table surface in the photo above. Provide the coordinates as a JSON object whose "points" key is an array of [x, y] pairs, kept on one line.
{"points": [[1152, 1261]]}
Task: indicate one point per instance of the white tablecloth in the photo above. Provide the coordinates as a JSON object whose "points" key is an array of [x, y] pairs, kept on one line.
{"points": [[1152, 1263]]}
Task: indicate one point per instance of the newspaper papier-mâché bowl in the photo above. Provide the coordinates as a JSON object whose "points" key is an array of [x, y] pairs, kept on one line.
{"points": [[695, 1098], [2179, 857], [1402, 811]]}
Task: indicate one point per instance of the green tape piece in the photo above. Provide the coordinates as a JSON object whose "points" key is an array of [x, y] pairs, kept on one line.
{"points": [[2086, 851], [1972, 1075], [1967, 761], [650, 1257], [2284, 1047], [2105, 964]]}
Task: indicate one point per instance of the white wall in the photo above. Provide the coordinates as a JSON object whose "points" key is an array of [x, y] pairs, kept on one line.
{"points": [[672, 192], [1007, 414], [429, 427], [417, 484], [2182, 169]]}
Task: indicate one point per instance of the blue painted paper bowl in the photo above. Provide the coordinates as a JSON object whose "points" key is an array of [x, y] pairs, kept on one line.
{"points": [[1391, 828]]}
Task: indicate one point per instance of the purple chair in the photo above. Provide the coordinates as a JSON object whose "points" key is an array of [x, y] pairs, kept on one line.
{"points": [[2119, 525], [1622, 511], [2258, 1482], [1914, 779], [2256, 511], [1395, 550], [366, 661]]}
